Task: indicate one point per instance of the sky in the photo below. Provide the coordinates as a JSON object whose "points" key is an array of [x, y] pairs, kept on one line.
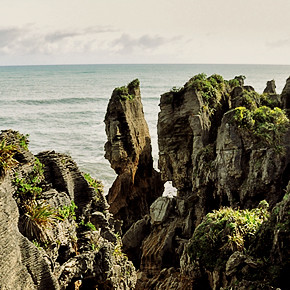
{"points": [[44, 32]]}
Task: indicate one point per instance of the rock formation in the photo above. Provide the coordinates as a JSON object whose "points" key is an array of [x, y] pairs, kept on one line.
{"points": [[285, 96], [225, 148], [56, 230], [129, 151], [221, 144]]}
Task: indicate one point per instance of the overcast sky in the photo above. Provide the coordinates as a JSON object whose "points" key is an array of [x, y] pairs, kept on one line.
{"points": [[144, 31]]}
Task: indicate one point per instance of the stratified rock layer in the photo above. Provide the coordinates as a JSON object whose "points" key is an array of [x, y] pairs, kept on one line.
{"points": [[129, 151], [214, 160], [56, 230]]}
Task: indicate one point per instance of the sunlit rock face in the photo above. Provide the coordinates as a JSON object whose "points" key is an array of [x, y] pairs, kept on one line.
{"points": [[129, 151]]}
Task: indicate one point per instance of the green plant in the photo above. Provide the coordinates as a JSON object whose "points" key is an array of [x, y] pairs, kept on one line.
{"points": [[28, 187], [125, 92], [222, 232], [234, 83], [67, 211], [37, 219], [134, 84], [265, 124], [7, 152], [90, 226], [38, 168], [27, 190], [23, 141], [210, 89], [96, 184]]}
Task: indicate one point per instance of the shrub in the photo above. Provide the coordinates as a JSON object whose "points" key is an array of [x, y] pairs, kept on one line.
{"points": [[267, 125], [210, 89], [67, 211], [38, 217], [96, 184], [7, 152], [23, 141], [222, 232]]}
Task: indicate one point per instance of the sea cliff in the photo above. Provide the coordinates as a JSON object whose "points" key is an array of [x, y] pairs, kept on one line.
{"points": [[226, 150]]}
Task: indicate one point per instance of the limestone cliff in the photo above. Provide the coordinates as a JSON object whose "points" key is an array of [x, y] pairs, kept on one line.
{"points": [[221, 144], [56, 230], [129, 151]]}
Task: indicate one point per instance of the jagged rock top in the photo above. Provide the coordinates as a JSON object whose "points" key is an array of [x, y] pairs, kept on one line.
{"points": [[129, 151], [126, 128]]}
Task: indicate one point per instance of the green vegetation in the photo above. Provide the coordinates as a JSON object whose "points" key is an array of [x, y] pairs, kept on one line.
{"points": [[125, 93], [96, 184], [269, 101], [222, 232], [134, 84], [7, 152], [234, 83], [37, 218], [23, 141], [67, 212], [90, 226], [250, 99], [210, 88], [267, 125], [27, 190], [238, 81]]}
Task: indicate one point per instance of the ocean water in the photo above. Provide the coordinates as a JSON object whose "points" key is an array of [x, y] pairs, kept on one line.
{"points": [[62, 107]]}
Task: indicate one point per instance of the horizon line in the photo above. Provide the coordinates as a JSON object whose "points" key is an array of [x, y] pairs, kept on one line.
{"points": [[80, 64]]}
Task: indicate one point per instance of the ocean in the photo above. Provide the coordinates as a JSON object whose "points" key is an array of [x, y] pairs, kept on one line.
{"points": [[62, 107]]}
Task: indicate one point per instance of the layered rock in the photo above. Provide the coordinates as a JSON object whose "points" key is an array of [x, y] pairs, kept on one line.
{"points": [[129, 151], [285, 96], [57, 232], [210, 153], [218, 147]]}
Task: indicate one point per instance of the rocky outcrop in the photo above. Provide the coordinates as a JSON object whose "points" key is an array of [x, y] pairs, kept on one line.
{"points": [[218, 147], [129, 151], [285, 96], [57, 232], [270, 88]]}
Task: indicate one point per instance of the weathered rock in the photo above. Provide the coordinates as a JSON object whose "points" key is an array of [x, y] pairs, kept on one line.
{"points": [[22, 265], [270, 88], [160, 210], [245, 171], [133, 239], [55, 206], [285, 96], [212, 162], [129, 151], [234, 262]]}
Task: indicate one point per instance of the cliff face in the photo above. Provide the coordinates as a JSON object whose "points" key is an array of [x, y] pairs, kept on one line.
{"points": [[56, 230], [221, 144], [129, 151], [226, 150]]}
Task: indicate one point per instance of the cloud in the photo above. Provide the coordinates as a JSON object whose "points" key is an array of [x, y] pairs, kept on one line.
{"points": [[10, 35], [30, 40], [60, 35], [279, 43], [126, 43]]}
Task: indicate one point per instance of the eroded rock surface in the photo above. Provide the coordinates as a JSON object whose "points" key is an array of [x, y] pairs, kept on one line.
{"points": [[129, 151], [56, 230], [216, 151]]}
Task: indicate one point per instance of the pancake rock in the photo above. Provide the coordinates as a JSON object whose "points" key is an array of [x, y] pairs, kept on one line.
{"points": [[56, 230], [129, 151]]}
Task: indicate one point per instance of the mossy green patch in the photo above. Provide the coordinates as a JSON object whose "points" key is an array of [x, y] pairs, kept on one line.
{"points": [[222, 232], [267, 125], [126, 92], [7, 152]]}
